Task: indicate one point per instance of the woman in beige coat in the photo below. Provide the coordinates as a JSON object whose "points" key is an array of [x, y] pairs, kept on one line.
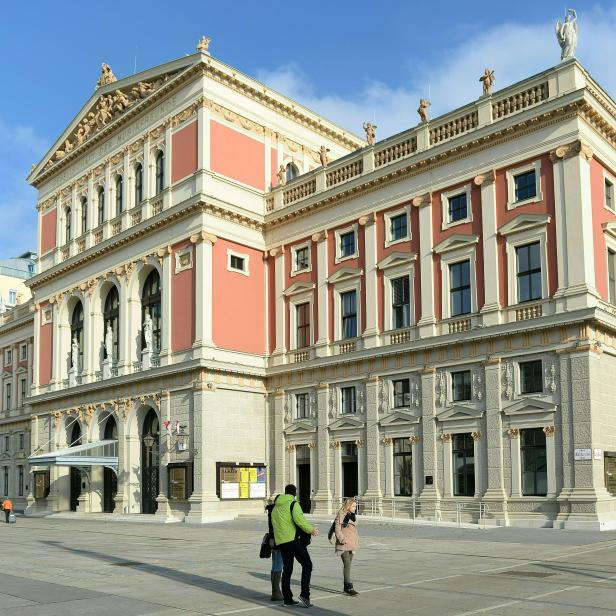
{"points": [[347, 540]]}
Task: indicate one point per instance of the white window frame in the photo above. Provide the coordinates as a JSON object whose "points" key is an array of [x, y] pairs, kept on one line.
{"points": [[339, 232], [399, 377], [294, 301], [511, 175], [47, 315], [518, 375], [389, 241], [241, 255], [22, 398], [8, 357], [449, 376], [294, 250], [14, 293], [8, 386], [389, 275], [301, 392], [513, 241], [610, 244], [612, 180], [186, 254], [23, 356], [343, 287], [446, 196], [466, 253], [340, 407]]}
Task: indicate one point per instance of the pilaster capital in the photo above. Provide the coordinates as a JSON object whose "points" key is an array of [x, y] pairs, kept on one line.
{"points": [[336, 445], [414, 439], [513, 433], [476, 435], [388, 442], [203, 236], [290, 447], [485, 178], [320, 236], [275, 252], [549, 431], [446, 437], [368, 219], [422, 200], [311, 445], [359, 443], [491, 361], [568, 150]]}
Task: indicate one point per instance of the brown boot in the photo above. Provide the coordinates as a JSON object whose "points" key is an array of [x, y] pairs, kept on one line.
{"points": [[276, 576]]}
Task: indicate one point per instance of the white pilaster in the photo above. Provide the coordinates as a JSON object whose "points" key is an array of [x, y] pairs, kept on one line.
{"points": [[427, 321], [322, 342], [371, 330], [447, 466], [167, 315], [292, 455], [337, 446], [361, 467], [167, 192], [516, 467], [550, 453], [389, 467], [203, 243], [279, 281], [479, 465]]}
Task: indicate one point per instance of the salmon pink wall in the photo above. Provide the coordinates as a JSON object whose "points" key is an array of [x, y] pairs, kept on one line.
{"points": [[184, 152], [48, 230], [45, 349], [545, 206], [239, 300], [600, 215], [271, 306], [237, 156], [407, 247], [182, 303]]}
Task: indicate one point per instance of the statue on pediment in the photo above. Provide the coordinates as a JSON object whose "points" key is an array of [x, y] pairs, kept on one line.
{"points": [[488, 80], [424, 105], [141, 90], [281, 175], [370, 132], [103, 115], [567, 35], [106, 77], [323, 156], [120, 102], [204, 44]]}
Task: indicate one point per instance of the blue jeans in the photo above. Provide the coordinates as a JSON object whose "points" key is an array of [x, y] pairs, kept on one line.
{"points": [[276, 561]]}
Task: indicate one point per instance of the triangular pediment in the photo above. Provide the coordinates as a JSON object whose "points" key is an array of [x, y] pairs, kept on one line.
{"points": [[609, 228], [399, 418], [455, 242], [397, 259], [21, 370], [529, 405], [6, 374], [299, 287], [300, 427], [523, 222], [345, 273], [114, 99], [348, 423], [459, 412], [5, 456]]}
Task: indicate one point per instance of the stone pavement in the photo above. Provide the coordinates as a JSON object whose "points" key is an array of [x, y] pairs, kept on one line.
{"points": [[63, 567]]}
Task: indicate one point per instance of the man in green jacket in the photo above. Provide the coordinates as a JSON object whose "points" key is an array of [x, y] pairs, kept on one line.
{"points": [[287, 518]]}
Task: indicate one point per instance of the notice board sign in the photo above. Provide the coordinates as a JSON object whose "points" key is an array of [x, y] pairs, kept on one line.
{"points": [[240, 480]]}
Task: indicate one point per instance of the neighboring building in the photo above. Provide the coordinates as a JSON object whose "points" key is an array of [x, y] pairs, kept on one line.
{"points": [[13, 274], [431, 317]]}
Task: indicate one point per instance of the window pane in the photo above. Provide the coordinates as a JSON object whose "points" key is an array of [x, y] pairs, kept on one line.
{"points": [[398, 227], [348, 399], [461, 385], [402, 393], [349, 314], [460, 288], [458, 209], [525, 186], [401, 308], [531, 377], [347, 244]]}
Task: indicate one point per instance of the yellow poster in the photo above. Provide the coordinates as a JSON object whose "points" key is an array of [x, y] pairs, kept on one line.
{"points": [[253, 475], [244, 475], [244, 490]]}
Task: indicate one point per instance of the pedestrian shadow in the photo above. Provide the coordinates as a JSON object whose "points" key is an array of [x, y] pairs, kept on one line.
{"points": [[219, 587], [264, 576]]}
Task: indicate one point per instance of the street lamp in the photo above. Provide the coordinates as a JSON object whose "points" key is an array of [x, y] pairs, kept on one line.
{"points": [[182, 441], [148, 441]]}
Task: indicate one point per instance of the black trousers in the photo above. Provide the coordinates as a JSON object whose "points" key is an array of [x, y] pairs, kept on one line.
{"points": [[291, 551], [7, 513]]}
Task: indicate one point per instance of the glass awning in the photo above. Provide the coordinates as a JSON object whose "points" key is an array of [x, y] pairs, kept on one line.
{"points": [[100, 453]]}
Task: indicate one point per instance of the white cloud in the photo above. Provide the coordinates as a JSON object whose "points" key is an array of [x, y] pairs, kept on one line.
{"points": [[516, 51]]}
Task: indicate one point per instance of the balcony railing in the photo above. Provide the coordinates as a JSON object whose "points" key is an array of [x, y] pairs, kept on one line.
{"points": [[460, 325], [528, 312]]}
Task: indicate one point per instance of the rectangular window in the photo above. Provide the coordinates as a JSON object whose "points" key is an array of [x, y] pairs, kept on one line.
{"points": [[20, 484], [534, 462], [7, 442], [460, 288], [400, 302], [23, 352], [12, 297], [529, 272], [458, 207], [463, 451], [402, 393], [461, 385], [347, 244], [302, 259], [531, 377], [7, 395], [398, 227], [609, 194], [301, 406], [348, 400], [348, 302], [302, 315], [525, 186], [403, 467], [8, 357], [22, 442], [22, 391], [237, 263], [611, 272]]}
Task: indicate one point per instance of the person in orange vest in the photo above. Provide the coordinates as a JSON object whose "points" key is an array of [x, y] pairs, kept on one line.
{"points": [[7, 505]]}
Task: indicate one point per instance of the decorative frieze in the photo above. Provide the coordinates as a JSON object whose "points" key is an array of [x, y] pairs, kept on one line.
{"points": [[478, 385], [440, 388], [507, 381], [550, 376]]}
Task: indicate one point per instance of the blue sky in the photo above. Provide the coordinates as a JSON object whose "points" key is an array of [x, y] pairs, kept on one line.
{"points": [[350, 61]]}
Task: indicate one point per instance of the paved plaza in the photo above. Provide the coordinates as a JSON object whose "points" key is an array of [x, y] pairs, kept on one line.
{"points": [[65, 567]]}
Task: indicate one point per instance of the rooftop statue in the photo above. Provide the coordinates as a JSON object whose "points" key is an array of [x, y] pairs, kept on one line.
{"points": [[567, 35], [281, 175], [370, 132], [488, 79], [106, 77], [204, 44], [424, 104], [323, 155]]}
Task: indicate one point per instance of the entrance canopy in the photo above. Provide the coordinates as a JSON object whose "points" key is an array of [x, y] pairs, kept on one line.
{"points": [[100, 453]]}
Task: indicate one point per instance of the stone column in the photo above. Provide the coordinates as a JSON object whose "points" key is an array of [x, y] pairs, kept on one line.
{"points": [[416, 463], [107, 192], [361, 467], [373, 445], [277, 400], [447, 465], [427, 322], [428, 423], [491, 307], [279, 281], [388, 444], [167, 192], [323, 496], [164, 510], [121, 501], [87, 370], [371, 330], [313, 469], [292, 461], [36, 355], [322, 332], [550, 454], [203, 146], [165, 350], [516, 465], [203, 243], [479, 465]]}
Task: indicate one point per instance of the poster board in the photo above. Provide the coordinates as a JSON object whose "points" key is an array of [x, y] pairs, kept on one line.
{"points": [[241, 480]]}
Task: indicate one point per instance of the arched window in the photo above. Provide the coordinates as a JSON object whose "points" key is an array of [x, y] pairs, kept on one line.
{"points": [[101, 205], [75, 435], [111, 316], [84, 215], [77, 334], [118, 196], [292, 172], [160, 171], [67, 224], [111, 429], [138, 184], [150, 304]]}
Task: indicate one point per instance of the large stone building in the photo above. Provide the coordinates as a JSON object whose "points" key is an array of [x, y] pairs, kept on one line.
{"points": [[425, 321]]}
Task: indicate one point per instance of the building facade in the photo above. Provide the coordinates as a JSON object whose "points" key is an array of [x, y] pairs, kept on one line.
{"points": [[428, 319], [13, 274]]}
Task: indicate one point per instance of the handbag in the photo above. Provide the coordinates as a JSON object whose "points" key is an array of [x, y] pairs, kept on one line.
{"points": [[303, 536], [266, 547]]}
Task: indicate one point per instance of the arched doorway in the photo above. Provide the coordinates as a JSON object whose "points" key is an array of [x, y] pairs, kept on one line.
{"points": [[150, 459], [75, 439], [110, 479], [151, 305]]}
